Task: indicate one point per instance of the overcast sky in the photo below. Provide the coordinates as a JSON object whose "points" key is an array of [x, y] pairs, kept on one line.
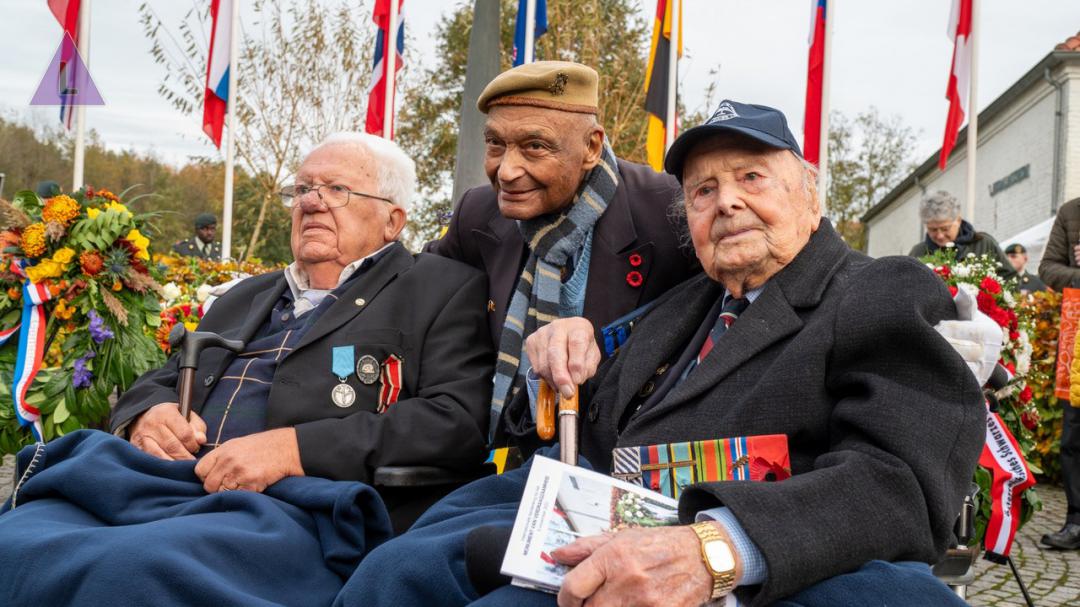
{"points": [[893, 55]]}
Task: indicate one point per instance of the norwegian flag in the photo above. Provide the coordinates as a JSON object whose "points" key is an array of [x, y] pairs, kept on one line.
{"points": [[67, 13], [959, 76], [217, 70], [379, 73], [815, 76]]}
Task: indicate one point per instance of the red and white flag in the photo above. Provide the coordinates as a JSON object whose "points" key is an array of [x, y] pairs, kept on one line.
{"points": [[377, 92], [959, 76], [815, 78], [217, 70]]}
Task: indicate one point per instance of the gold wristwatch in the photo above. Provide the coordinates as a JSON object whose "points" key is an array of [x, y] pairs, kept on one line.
{"points": [[719, 558]]}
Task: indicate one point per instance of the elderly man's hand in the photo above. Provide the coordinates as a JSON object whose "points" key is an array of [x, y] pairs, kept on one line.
{"points": [[661, 566], [162, 432], [564, 353], [252, 462], [1076, 254]]}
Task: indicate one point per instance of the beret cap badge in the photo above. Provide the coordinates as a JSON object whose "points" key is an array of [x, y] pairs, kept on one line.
{"points": [[558, 86]]}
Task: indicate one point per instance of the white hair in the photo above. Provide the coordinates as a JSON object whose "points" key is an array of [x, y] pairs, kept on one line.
{"points": [[939, 206], [395, 172]]}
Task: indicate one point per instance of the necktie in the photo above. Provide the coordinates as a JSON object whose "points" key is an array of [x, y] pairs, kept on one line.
{"points": [[728, 313]]}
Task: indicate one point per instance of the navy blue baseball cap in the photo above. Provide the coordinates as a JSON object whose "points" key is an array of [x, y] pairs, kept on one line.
{"points": [[758, 122]]}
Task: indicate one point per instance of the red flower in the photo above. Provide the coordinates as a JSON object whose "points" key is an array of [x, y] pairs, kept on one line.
{"points": [[990, 285], [635, 260], [986, 302], [953, 290], [1014, 335], [762, 469], [633, 278], [943, 271], [1030, 419], [1025, 394]]}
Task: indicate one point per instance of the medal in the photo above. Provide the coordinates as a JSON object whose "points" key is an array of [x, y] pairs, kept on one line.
{"points": [[343, 395], [367, 370]]}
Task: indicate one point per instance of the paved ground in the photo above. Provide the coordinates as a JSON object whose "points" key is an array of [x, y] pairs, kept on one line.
{"points": [[1052, 577]]}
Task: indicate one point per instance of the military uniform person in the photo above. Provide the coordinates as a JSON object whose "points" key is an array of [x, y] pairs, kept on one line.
{"points": [[202, 244], [1018, 257]]}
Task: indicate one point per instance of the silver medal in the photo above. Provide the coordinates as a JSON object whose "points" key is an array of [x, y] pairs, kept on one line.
{"points": [[367, 369], [343, 395]]}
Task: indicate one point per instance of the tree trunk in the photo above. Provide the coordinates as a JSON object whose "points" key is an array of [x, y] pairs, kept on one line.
{"points": [[254, 242]]}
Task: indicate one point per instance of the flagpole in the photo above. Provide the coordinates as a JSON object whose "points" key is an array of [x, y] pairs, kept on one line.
{"points": [[230, 126], [823, 142], [390, 64], [673, 68], [530, 30], [973, 112], [79, 158]]}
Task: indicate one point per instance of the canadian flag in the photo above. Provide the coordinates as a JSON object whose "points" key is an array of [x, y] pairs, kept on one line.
{"points": [[959, 76]]}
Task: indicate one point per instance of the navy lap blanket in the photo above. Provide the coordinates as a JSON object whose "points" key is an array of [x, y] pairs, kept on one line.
{"points": [[95, 521]]}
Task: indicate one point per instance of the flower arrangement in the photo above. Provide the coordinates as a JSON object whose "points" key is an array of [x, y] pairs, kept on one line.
{"points": [[1043, 308], [187, 313], [84, 259], [1001, 302]]}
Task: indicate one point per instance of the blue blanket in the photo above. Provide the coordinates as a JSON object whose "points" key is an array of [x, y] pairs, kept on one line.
{"points": [[95, 521]]}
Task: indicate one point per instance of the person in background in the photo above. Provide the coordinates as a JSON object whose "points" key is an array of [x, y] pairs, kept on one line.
{"points": [[48, 189], [1059, 269], [940, 213], [1018, 257], [202, 244]]}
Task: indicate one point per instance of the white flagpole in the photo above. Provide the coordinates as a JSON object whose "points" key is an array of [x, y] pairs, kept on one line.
{"points": [[973, 112], [823, 143], [530, 30], [79, 158], [230, 125], [673, 70], [390, 64]]}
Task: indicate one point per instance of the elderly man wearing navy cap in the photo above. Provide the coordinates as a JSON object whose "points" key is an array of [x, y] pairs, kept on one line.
{"points": [[788, 332]]}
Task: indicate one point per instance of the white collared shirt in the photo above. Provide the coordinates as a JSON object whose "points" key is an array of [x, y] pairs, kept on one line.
{"points": [[306, 298]]}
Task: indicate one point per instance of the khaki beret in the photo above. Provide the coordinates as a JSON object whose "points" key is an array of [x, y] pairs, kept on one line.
{"points": [[559, 85]]}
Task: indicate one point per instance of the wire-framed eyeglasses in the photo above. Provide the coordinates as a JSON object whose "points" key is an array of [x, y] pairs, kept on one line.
{"points": [[333, 196]]}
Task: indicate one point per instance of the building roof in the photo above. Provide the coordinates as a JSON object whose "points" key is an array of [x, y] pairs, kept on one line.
{"points": [[1066, 51]]}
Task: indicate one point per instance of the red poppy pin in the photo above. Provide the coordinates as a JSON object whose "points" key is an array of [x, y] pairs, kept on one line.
{"points": [[635, 260], [633, 278]]}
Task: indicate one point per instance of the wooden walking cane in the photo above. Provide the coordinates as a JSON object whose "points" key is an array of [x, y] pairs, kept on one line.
{"points": [[568, 421], [191, 344]]}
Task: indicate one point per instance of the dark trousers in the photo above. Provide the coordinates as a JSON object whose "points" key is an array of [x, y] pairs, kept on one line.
{"points": [[426, 565], [1070, 460]]}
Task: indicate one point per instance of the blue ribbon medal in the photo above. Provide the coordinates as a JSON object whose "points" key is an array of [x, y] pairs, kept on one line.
{"points": [[343, 395]]}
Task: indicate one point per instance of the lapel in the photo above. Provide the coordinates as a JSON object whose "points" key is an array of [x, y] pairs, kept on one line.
{"points": [[662, 336], [502, 250], [366, 287], [771, 318], [607, 294], [260, 308]]}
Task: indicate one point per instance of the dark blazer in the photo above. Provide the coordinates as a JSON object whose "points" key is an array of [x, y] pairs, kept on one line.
{"points": [[636, 221], [427, 310], [1058, 267], [884, 420]]}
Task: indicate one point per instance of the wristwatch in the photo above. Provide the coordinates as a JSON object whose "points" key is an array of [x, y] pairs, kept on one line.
{"points": [[718, 556]]}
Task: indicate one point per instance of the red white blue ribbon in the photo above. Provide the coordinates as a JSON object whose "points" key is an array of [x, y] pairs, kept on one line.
{"points": [[1010, 477], [31, 352]]}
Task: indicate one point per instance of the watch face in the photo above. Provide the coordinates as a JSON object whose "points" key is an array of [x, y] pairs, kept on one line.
{"points": [[719, 556]]}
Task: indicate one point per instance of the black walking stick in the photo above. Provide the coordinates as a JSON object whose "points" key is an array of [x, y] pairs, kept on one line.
{"points": [[191, 344]]}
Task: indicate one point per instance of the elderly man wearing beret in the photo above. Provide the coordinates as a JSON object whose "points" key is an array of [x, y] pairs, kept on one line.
{"points": [[565, 228], [787, 332], [202, 244]]}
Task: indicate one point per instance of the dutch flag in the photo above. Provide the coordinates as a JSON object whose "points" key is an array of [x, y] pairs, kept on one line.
{"points": [[217, 70]]}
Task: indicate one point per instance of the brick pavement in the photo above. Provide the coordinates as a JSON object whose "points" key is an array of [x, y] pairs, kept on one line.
{"points": [[1052, 577]]}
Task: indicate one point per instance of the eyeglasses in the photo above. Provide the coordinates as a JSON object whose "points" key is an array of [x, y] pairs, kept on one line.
{"points": [[333, 196]]}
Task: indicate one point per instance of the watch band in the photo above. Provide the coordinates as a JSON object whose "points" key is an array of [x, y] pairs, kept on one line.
{"points": [[723, 581]]}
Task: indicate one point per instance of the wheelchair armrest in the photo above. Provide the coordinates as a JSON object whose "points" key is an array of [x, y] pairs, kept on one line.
{"points": [[427, 476]]}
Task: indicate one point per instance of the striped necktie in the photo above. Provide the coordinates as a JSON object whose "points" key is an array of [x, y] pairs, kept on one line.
{"points": [[728, 313]]}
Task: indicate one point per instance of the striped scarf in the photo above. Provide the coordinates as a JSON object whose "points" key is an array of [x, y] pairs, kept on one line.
{"points": [[553, 240]]}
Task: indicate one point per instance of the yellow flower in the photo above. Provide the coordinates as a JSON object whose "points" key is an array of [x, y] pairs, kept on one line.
{"points": [[141, 243], [61, 209], [191, 325], [33, 240], [117, 285], [45, 269], [64, 255], [118, 206], [92, 213], [63, 311]]}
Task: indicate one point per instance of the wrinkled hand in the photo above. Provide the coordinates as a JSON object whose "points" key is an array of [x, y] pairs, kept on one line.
{"points": [[162, 432], [564, 353], [1076, 254], [252, 462], [974, 335], [660, 566]]}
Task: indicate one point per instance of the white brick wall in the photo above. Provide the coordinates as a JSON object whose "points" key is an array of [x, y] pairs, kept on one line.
{"points": [[1021, 135]]}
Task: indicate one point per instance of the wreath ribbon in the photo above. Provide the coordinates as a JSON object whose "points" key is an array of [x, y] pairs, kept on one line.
{"points": [[31, 351]]}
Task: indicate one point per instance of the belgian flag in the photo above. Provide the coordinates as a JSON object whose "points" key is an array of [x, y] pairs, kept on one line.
{"points": [[657, 81]]}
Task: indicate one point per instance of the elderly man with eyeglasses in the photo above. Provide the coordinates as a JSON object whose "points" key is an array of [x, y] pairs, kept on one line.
{"points": [[358, 354]]}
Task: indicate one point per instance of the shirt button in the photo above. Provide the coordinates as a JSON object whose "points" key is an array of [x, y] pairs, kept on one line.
{"points": [[647, 389], [285, 317], [209, 381], [662, 369]]}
